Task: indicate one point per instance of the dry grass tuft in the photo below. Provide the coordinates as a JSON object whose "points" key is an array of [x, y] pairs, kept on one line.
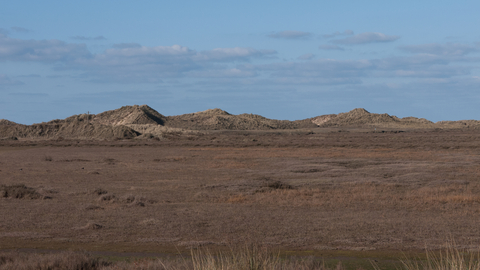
{"points": [[450, 258], [93, 207], [129, 199], [107, 198], [251, 257], [92, 226], [19, 191], [246, 257], [100, 191], [237, 199], [277, 185], [240, 257]]}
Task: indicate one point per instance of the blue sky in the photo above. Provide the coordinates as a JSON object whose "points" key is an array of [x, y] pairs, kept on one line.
{"points": [[281, 59]]}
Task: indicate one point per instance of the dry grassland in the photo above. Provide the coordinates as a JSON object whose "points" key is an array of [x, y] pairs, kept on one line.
{"points": [[304, 191]]}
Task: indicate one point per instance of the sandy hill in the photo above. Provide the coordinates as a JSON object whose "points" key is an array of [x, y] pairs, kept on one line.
{"points": [[130, 115], [144, 122], [5, 122], [361, 117], [126, 115], [70, 130], [107, 125], [216, 119]]}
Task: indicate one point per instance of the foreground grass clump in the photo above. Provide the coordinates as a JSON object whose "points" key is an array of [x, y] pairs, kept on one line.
{"points": [[59, 261], [251, 257], [448, 259], [248, 257]]}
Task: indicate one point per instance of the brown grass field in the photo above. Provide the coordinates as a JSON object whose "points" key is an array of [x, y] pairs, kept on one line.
{"points": [[320, 191]]}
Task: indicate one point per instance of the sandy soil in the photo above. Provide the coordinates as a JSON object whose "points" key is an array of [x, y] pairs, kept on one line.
{"points": [[322, 189]]}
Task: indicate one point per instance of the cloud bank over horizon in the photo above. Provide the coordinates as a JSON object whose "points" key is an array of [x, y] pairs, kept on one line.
{"points": [[294, 72], [134, 63]]}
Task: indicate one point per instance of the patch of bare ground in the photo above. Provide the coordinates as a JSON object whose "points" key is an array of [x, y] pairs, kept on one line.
{"points": [[294, 190]]}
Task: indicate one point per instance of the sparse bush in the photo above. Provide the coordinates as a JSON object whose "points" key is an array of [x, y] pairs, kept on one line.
{"points": [[278, 185], [107, 198], [100, 191], [19, 191], [135, 200], [252, 257], [93, 207], [92, 226], [128, 198]]}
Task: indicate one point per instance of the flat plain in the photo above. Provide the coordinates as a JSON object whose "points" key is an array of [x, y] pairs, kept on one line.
{"points": [[317, 190]]}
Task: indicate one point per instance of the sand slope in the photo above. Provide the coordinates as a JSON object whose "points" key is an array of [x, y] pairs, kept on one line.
{"points": [[145, 122]]}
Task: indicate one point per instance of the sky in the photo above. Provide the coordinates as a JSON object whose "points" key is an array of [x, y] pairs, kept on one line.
{"points": [[280, 59]]}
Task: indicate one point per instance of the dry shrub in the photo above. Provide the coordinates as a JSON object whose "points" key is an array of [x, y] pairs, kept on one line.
{"points": [[100, 191], [93, 207], [237, 198], [92, 226], [129, 199], [450, 258], [19, 191], [277, 185], [107, 198], [136, 200], [251, 257]]}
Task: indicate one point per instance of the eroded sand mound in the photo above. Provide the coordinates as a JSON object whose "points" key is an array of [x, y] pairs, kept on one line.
{"points": [[84, 130], [128, 115], [144, 122], [73, 130], [216, 119], [361, 117], [459, 124], [4, 122]]}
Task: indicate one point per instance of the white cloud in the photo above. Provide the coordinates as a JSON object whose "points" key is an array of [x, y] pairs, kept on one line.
{"points": [[132, 63], [20, 29], [344, 33], [39, 50], [231, 54], [307, 56], [143, 51], [126, 45], [29, 76], [364, 38], [5, 80], [27, 94], [428, 72], [331, 47], [291, 35], [449, 49], [222, 73], [88, 38], [321, 68]]}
